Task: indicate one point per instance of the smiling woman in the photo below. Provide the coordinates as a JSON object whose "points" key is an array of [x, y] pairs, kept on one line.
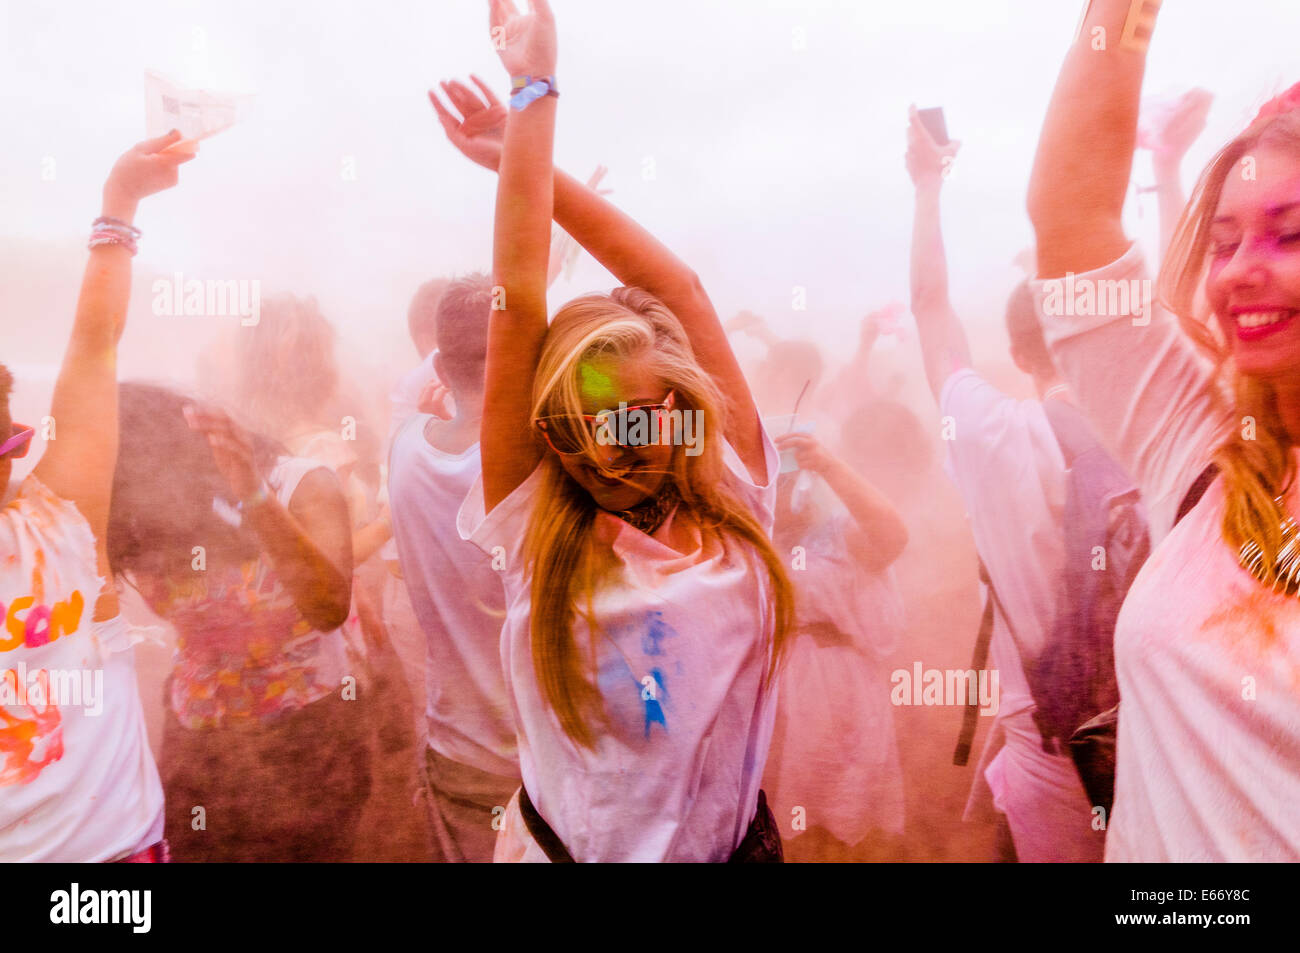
{"points": [[1241, 237], [1207, 647]]}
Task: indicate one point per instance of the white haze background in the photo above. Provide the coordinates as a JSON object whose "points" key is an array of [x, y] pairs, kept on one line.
{"points": [[775, 166]]}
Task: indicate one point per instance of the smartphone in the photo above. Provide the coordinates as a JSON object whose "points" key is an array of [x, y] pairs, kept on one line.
{"points": [[932, 119]]}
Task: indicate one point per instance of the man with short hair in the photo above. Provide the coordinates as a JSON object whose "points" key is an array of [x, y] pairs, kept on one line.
{"points": [[472, 758], [1006, 461]]}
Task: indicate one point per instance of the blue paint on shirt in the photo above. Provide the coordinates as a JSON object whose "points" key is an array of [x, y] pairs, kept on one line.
{"points": [[655, 632], [654, 711]]}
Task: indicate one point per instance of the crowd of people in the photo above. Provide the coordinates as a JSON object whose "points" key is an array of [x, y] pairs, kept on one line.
{"points": [[616, 589]]}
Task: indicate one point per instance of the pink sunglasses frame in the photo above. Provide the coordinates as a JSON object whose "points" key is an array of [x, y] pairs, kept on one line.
{"points": [[20, 437]]}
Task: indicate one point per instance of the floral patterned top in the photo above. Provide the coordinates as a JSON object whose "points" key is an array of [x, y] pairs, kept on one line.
{"points": [[245, 656]]}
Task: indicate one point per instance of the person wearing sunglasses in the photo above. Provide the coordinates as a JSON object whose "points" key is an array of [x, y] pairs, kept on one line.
{"points": [[77, 780], [19, 442], [646, 606], [1197, 395]]}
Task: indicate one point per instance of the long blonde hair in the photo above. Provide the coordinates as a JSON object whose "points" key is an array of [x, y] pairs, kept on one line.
{"points": [[567, 562], [1259, 467]]}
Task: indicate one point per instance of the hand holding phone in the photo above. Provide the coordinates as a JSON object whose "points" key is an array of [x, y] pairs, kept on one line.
{"points": [[930, 152], [934, 124]]}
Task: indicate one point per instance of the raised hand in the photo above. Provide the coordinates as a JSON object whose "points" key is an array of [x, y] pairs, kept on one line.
{"points": [[1170, 129], [809, 454], [927, 161], [433, 400], [746, 321], [525, 41], [232, 450], [480, 129], [882, 322], [142, 170]]}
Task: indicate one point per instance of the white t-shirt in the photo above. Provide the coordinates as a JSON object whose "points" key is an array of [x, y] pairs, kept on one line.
{"points": [[458, 598], [405, 395], [1008, 466], [405, 401], [681, 660], [1208, 763], [834, 749], [77, 779]]}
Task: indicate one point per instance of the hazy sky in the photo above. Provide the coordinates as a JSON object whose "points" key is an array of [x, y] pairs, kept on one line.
{"points": [[775, 127]]}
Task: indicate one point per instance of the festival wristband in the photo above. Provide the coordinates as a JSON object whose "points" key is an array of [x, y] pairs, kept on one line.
{"points": [[525, 90], [116, 224]]}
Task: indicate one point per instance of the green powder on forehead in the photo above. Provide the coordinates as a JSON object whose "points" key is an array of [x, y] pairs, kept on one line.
{"points": [[595, 384]]}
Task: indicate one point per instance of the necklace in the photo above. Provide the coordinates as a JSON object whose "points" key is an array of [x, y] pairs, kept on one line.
{"points": [[1286, 567], [651, 513]]}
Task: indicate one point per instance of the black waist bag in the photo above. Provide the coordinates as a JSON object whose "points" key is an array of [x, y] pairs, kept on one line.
{"points": [[762, 843], [1092, 746]]}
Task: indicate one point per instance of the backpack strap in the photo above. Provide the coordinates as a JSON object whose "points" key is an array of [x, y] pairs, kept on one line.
{"points": [[970, 717], [1196, 491], [1071, 430]]}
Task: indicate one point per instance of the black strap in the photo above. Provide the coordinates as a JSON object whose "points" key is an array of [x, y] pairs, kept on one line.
{"points": [[546, 838], [970, 717], [1070, 428], [761, 844], [1197, 491]]}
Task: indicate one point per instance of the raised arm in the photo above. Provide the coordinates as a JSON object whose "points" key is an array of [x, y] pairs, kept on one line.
{"points": [[309, 543], [630, 253], [79, 461], [521, 248], [879, 535], [1172, 136], [1137, 377], [852, 382], [1085, 155], [944, 348], [563, 248]]}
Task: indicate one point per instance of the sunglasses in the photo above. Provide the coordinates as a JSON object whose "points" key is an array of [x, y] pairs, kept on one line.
{"points": [[572, 434], [19, 442]]}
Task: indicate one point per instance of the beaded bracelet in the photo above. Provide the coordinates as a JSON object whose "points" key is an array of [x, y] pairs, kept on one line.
{"points": [[107, 230], [116, 223], [103, 236]]}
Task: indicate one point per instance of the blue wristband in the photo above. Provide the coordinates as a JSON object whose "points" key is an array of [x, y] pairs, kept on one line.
{"points": [[527, 90]]}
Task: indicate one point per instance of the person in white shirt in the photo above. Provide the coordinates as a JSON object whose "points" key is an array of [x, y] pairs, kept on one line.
{"points": [[1005, 460], [1207, 646], [414, 393], [834, 775], [456, 593], [77, 780], [646, 607]]}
